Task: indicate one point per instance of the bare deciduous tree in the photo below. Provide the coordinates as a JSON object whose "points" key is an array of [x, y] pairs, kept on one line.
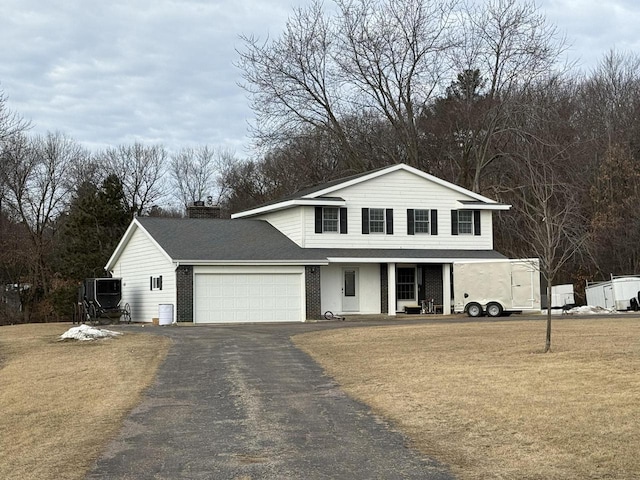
{"points": [[511, 46], [383, 58], [11, 123], [196, 171], [37, 178], [140, 169], [547, 217]]}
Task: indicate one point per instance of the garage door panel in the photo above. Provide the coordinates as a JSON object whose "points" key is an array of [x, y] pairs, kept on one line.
{"points": [[242, 297]]}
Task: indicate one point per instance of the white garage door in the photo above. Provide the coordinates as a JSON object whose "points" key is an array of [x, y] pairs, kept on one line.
{"points": [[248, 297]]}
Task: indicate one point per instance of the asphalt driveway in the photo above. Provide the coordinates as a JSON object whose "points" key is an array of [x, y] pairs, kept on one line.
{"points": [[241, 402]]}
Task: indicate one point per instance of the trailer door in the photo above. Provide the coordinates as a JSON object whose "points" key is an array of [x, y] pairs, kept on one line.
{"points": [[609, 296], [522, 285]]}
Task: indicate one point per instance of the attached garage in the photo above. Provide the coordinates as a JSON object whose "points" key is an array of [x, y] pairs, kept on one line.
{"points": [[248, 294]]}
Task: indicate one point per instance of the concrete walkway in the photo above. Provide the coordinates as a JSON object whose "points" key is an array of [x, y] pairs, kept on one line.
{"points": [[241, 402]]}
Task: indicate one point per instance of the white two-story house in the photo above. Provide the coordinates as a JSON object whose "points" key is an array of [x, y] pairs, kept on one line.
{"points": [[373, 243]]}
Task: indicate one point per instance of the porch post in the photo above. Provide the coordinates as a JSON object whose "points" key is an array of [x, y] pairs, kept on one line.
{"points": [[446, 289], [391, 275]]}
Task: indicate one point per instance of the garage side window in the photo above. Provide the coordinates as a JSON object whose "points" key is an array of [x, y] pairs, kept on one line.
{"points": [[155, 283]]}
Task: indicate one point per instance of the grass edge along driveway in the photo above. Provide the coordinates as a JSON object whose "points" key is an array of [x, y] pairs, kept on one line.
{"points": [[482, 398], [63, 401]]}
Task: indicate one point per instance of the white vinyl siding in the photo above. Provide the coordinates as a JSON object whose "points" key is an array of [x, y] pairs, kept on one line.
{"points": [[290, 222], [331, 283], [399, 191], [139, 262]]}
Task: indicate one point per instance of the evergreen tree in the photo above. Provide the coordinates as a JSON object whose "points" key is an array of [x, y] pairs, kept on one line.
{"points": [[97, 219]]}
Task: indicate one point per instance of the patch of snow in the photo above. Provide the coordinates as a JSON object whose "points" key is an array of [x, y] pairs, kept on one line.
{"points": [[85, 332], [583, 310], [591, 310]]}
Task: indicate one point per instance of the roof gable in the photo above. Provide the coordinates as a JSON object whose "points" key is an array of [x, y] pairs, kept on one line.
{"points": [[134, 226], [321, 195]]}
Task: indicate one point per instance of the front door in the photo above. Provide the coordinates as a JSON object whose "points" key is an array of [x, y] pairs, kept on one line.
{"points": [[350, 287]]}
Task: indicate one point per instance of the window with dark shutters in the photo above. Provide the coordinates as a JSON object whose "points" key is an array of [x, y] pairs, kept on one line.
{"points": [[389, 219], [465, 222], [365, 221], [343, 220], [410, 226], [377, 220], [422, 221], [454, 222], [330, 220], [434, 222], [318, 220], [155, 283]]}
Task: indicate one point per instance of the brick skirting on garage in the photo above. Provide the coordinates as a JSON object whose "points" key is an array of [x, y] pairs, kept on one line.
{"points": [[184, 296], [312, 292]]}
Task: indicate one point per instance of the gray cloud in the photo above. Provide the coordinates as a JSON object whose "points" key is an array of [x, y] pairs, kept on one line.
{"points": [[161, 71]]}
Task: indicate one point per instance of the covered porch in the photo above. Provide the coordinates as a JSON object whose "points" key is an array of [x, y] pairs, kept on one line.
{"points": [[374, 282]]}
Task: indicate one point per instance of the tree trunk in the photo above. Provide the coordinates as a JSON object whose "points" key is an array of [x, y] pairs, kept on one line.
{"points": [[547, 345]]}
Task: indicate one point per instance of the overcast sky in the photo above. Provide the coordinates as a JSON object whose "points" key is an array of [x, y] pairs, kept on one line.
{"points": [[161, 71]]}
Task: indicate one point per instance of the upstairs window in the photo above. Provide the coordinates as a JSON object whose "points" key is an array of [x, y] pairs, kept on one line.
{"points": [[330, 219], [465, 222], [376, 220], [421, 221]]}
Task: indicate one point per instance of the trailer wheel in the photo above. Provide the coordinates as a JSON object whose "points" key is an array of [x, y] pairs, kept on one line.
{"points": [[126, 313], [92, 314], [494, 309], [474, 310]]}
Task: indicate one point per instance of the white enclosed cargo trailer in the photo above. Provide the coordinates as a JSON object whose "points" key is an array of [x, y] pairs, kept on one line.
{"points": [[614, 294], [496, 286], [562, 295]]}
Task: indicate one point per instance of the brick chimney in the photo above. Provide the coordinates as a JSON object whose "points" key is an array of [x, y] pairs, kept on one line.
{"points": [[200, 210]]}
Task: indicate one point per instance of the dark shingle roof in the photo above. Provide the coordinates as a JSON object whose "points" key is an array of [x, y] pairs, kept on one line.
{"points": [[220, 240], [316, 188]]}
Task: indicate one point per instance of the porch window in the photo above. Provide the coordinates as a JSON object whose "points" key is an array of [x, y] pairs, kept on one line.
{"points": [[406, 284], [330, 219]]}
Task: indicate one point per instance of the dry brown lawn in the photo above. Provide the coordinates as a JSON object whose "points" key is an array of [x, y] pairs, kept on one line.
{"points": [[482, 398], [61, 402]]}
